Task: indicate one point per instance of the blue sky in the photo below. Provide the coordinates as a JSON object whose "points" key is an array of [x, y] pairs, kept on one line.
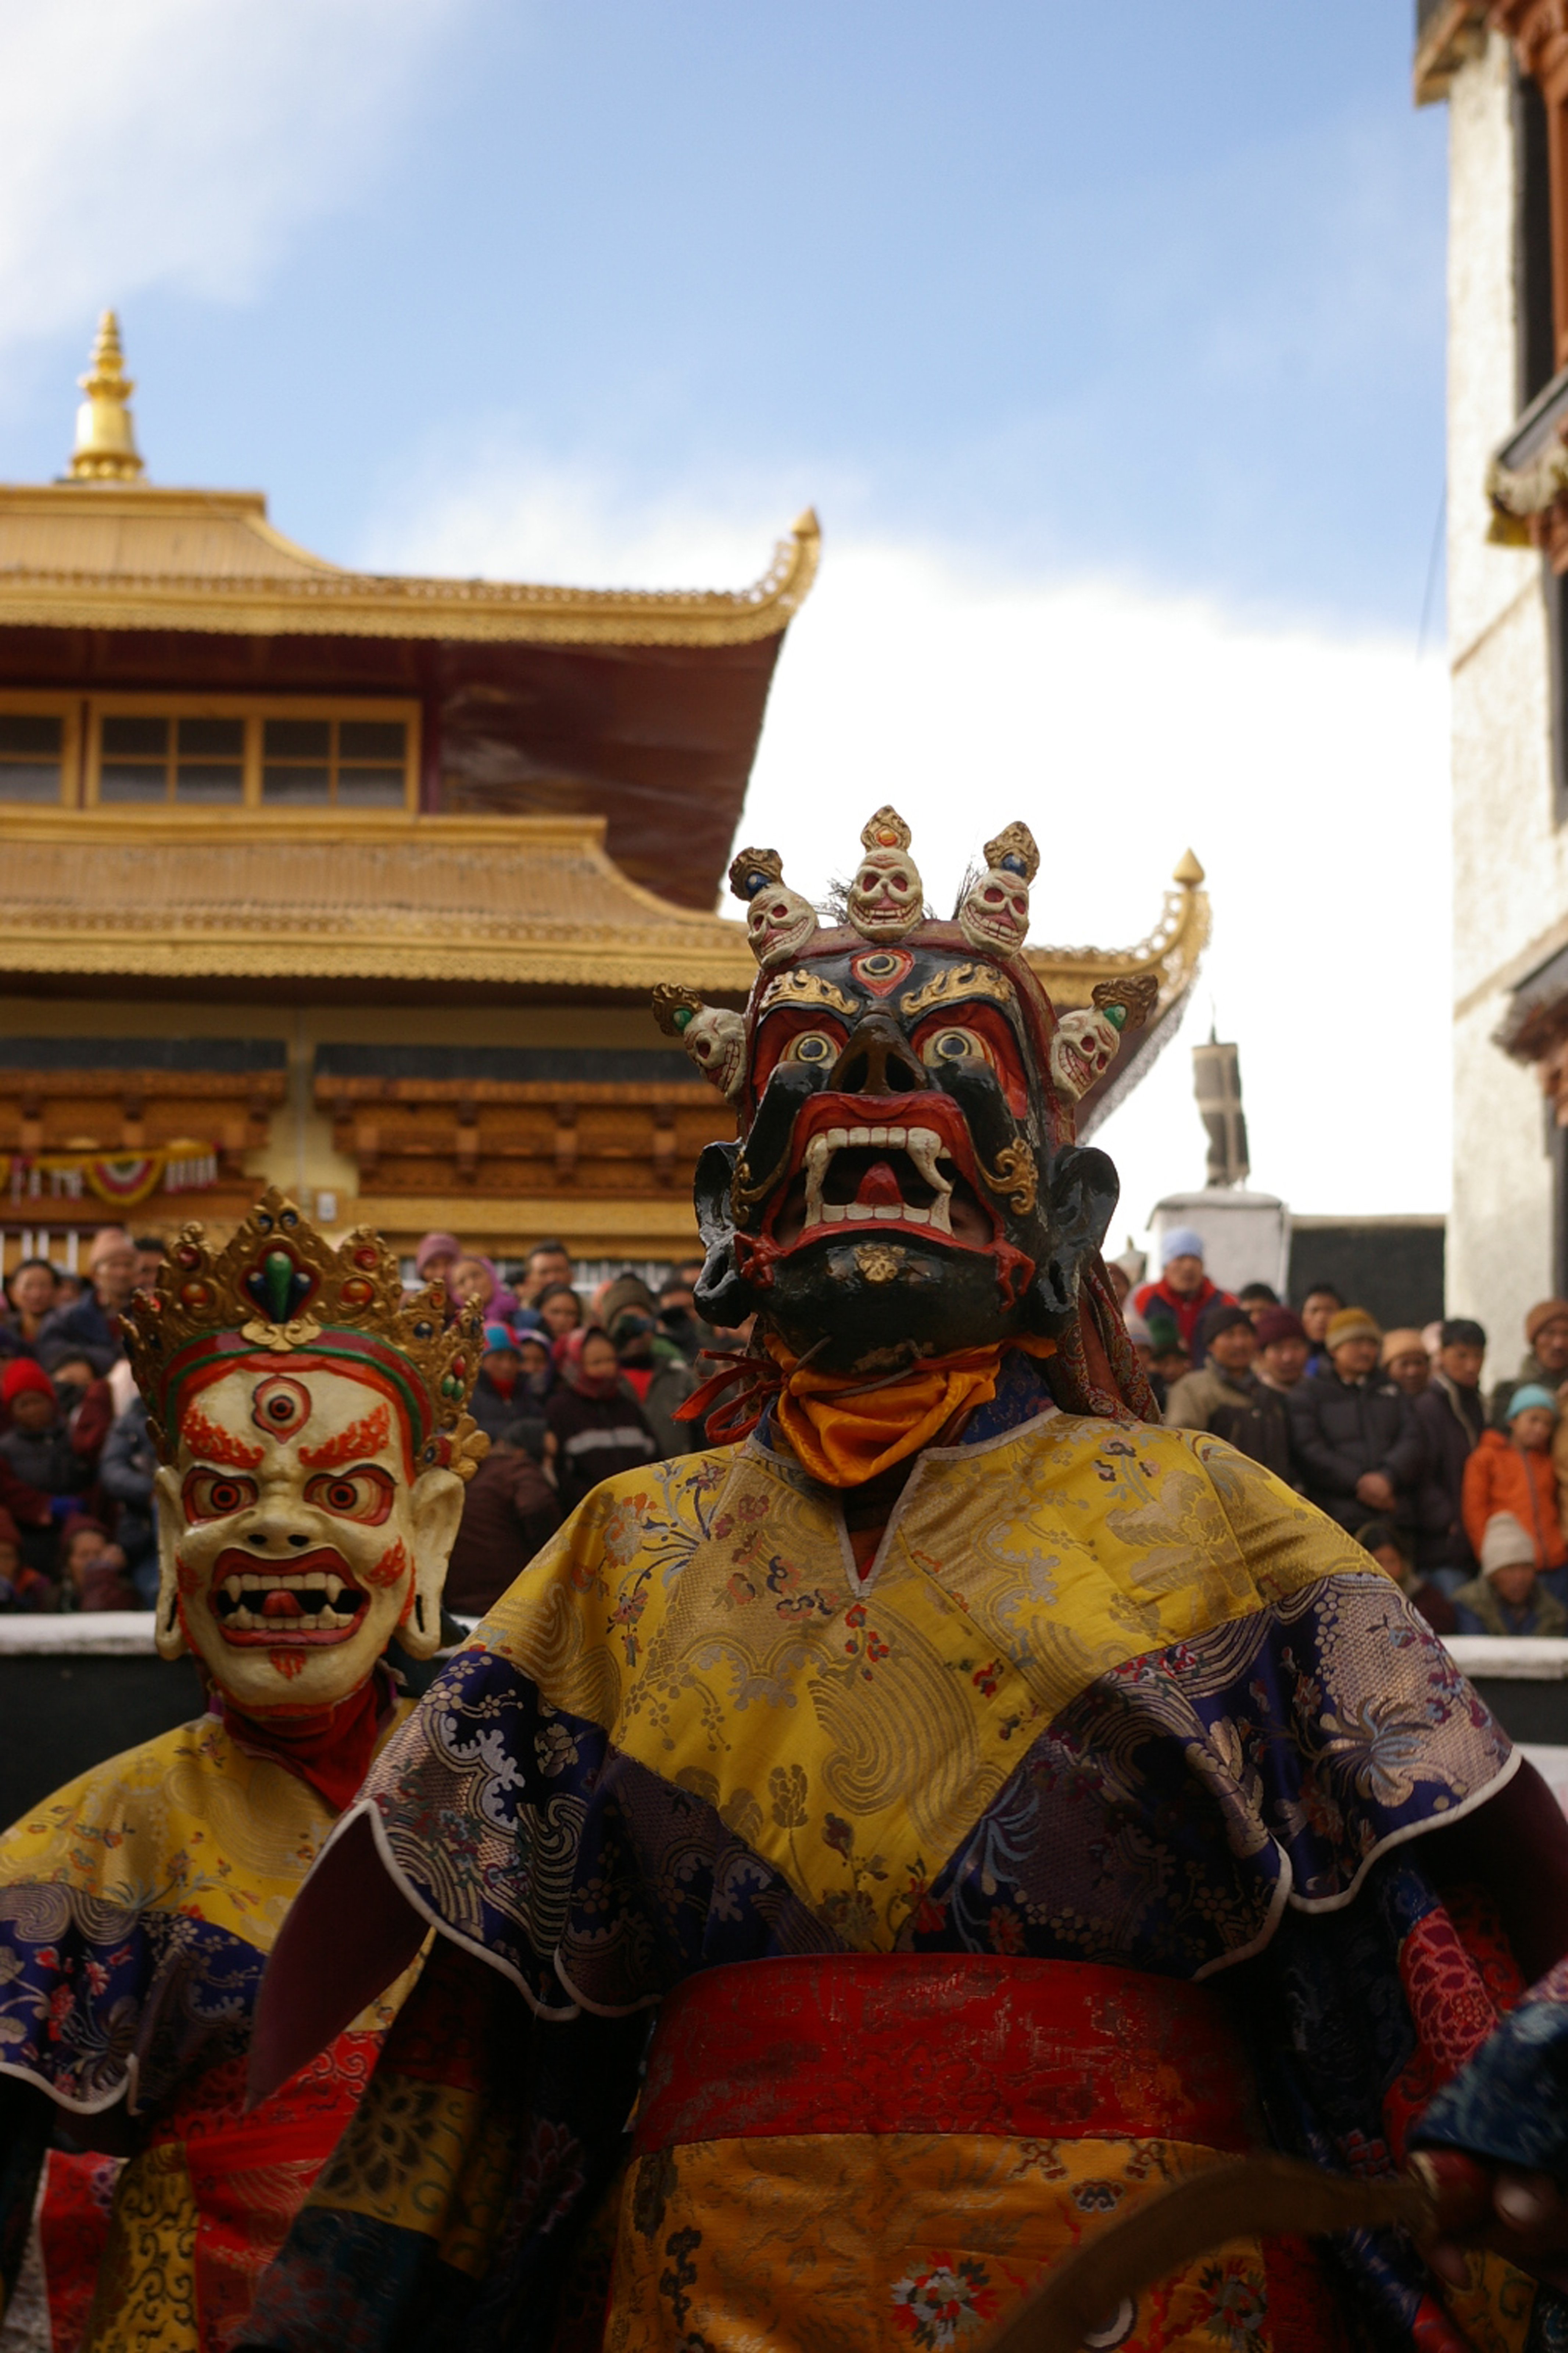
{"points": [[1161, 291], [1108, 343]]}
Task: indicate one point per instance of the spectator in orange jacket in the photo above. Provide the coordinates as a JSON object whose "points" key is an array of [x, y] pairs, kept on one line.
{"points": [[1513, 1474]]}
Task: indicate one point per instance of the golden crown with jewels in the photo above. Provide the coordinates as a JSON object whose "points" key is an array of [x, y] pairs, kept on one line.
{"points": [[278, 1286]]}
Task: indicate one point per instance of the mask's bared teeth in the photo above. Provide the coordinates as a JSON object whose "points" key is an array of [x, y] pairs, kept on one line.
{"points": [[818, 1156], [234, 1589], [334, 1586], [924, 1146], [835, 1212]]}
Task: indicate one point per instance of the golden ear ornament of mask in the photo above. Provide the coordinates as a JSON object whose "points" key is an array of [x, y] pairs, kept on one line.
{"points": [[1132, 998], [958, 980], [278, 1285], [1015, 1178]]}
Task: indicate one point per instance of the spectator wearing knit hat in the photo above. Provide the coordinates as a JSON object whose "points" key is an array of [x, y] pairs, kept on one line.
{"points": [[1405, 1361], [1353, 1436], [1508, 1597], [1228, 1344], [1261, 1427], [1545, 1359], [37, 1448], [1512, 1472], [1451, 1416], [89, 1329], [1183, 1292]]}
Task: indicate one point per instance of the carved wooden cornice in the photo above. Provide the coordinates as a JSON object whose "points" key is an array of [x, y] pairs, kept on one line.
{"points": [[1450, 32], [127, 556]]}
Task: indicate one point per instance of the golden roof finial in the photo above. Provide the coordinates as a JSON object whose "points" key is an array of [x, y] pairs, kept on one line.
{"points": [[105, 437]]}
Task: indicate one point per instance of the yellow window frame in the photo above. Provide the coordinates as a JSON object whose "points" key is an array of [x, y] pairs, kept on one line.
{"points": [[23, 703], [255, 711]]}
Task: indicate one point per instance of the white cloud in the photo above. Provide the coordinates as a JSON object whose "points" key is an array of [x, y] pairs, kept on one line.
{"points": [[180, 141], [1309, 773]]}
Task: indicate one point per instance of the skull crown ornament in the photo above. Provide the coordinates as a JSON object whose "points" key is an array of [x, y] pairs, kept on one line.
{"points": [[906, 1178]]}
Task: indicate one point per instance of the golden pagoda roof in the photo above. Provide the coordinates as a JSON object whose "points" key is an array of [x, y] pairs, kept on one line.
{"points": [[119, 554], [424, 901]]}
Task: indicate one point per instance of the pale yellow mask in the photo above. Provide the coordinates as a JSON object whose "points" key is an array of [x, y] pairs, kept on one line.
{"points": [[294, 1540]]}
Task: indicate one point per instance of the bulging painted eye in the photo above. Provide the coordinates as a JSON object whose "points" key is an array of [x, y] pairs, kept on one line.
{"points": [[364, 1493], [812, 1046], [216, 1494], [946, 1046]]}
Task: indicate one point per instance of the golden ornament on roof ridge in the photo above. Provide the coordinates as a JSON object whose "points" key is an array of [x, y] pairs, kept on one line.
{"points": [[106, 448]]}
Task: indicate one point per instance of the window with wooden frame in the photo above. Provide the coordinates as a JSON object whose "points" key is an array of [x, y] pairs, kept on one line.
{"points": [[186, 752], [39, 747]]}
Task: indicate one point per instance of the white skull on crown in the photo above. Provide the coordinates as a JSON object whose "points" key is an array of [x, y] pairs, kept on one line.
{"points": [[1082, 1050], [714, 1036], [994, 914], [779, 921], [887, 898]]}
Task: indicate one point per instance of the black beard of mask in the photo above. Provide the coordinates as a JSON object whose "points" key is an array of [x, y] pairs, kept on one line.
{"points": [[896, 1195]]}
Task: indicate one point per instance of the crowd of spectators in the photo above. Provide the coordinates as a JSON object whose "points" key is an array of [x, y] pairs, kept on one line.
{"points": [[1462, 1500], [576, 1382]]}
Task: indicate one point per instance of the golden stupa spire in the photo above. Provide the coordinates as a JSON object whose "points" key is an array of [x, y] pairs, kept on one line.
{"points": [[105, 437]]}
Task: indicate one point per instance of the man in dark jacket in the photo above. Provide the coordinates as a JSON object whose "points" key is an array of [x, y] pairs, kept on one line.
{"points": [[1358, 1450], [1450, 1415], [90, 1329], [1260, 1426], [511, 1511]]}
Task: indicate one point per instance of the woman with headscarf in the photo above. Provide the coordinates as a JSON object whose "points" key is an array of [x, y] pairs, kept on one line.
{"points": [[594, 1425]]}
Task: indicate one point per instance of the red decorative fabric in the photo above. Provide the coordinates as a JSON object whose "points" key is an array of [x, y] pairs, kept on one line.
{"points": [[941, 2042], [333, 1752], [73, 2232]]}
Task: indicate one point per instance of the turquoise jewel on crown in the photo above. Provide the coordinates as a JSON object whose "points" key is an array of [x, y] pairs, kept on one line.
{"points": [[280, 1286]]}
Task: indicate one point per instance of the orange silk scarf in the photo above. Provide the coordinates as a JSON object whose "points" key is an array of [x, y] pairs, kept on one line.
{"points": [[845, 1433]]}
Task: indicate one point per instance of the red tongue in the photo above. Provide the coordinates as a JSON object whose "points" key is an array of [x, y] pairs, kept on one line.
{"points": [[879, 1187], [280, 1603]]}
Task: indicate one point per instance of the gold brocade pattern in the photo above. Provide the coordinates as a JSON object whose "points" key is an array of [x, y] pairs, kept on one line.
{"points": [[864, 2243], [430, 2157], [188, 1822], [684, 1608], [146, 2296]]}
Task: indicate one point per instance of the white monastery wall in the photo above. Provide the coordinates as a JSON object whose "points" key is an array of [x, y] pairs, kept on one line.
{"points": [[1511, 858]]}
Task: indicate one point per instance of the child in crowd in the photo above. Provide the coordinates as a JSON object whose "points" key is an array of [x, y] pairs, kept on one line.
{"points": [[93, 1568], [1391, 1549], [1508, 1598], [1511, 1471], [37, 1446]]}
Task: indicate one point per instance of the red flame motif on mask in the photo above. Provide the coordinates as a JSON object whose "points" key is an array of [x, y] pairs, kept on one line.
{"points": [[215, 1445], [360, 1437], [289, 1663], [393, 1564]]}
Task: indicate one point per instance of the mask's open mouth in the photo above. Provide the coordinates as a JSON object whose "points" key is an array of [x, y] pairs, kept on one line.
{"points": [[314, 1601], [1080, 1070], [908, 1165]]}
